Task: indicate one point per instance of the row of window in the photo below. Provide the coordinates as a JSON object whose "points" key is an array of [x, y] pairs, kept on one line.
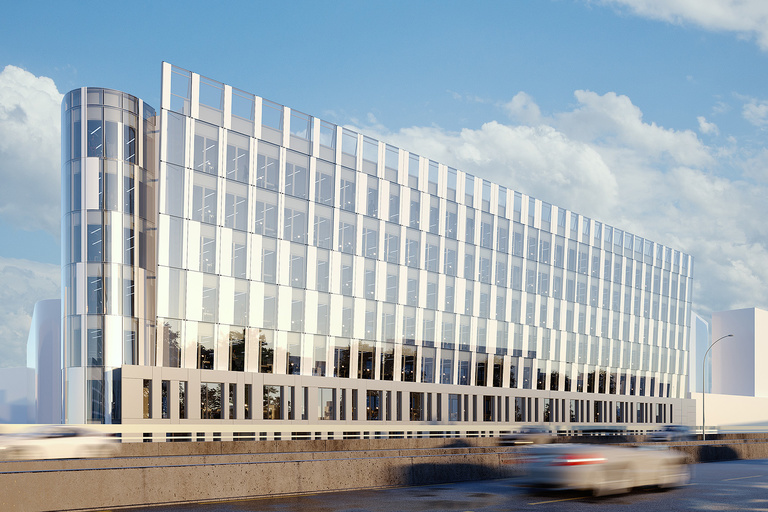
{"points": [[398, 284], [206, 298], [268, 173], [112, 127], [239, 349], [220, 401], [485, 229], [375, 239], [120, 187]]}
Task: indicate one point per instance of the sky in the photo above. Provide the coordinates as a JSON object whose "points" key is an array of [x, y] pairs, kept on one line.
{"points": [[648, 115]]}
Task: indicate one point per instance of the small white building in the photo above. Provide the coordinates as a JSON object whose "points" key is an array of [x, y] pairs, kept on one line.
{"points": [[737, 362]]}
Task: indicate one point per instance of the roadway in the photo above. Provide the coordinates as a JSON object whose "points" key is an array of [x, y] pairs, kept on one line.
{"points": [[731, 485]]}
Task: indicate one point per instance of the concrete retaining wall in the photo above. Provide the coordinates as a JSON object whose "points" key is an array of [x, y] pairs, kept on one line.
{"points": [[164, 473]]}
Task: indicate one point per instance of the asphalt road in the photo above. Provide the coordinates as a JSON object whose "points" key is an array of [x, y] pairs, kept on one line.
{"points": [[733, 485]]}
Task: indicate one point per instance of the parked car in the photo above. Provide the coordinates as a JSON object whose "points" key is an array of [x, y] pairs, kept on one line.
{"points": [[57, 442], [532, 434], [670, 433], [604, 469]]}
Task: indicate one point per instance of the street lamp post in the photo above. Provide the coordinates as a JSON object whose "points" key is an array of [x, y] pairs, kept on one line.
{"points": [[703, 384]]}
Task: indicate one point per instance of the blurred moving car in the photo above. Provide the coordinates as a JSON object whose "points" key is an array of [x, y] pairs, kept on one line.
{"points": [[604, 469], [57, 442], [671, 433], [532, 434]]}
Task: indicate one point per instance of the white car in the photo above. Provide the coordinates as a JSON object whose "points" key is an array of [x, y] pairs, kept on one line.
{"points": [[604, 469], [672, 433], [57, 442], [531, 434]]}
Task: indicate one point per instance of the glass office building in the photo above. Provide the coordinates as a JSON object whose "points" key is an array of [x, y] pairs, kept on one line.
{"points": [[232, 259]]}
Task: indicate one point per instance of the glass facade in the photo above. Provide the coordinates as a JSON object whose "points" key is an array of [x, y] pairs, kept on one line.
{"points": [[288, 246], [109, 226]]}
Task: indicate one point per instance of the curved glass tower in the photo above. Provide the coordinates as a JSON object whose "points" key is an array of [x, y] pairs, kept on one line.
{"points": [[109, 218]]}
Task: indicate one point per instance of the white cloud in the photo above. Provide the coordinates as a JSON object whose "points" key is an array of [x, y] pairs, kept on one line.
{"points": [[538, 160], [22, 283], [602, 160], [756, 112], [747, 18], [706, 127], [524, 109], [612, 121], [30, 165]]}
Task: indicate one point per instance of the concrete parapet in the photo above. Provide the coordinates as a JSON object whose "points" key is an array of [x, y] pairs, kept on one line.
{"points": [[162, 473]]}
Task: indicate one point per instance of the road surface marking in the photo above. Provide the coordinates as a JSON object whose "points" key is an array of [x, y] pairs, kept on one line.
{"points": [[555, 501], [741, 478]]}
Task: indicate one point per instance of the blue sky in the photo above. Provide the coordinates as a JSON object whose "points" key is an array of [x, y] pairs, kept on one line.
{"points": [[647, 114]]}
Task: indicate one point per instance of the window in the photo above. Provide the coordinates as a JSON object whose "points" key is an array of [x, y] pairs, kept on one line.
{"points": [[211, 96], [347, 227], [433, 177], [391, 163], [206, 151], [319, 356], [236, 206], [412, 249], [204, 198], [394, 203], [372, 197], [370, 238], [327, 138], [242, 111], [272, 115], [408, 364], [266, 351], [373, 404], [413, 171], [326, 404], [392, 244], [323, 271], [95, 133], [324, 183], [210, 400], [206, 343], [237, 349], [365, 360], [454, 407], [239, 255], [417, 406], [181, 85], [267, 166], [469, 190], [347, 190], [349, 143], [238, 157], [434, 215], [183, 399], [300, 125], [295, 220], [294, 354], [432, 253], [272, 402], [370, 155], [296, 175], [232, 395], [415, 209], [248, 402], [147, 399]]}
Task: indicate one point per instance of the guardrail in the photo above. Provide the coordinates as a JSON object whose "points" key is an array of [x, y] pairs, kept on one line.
{"points": [[133, 433]]}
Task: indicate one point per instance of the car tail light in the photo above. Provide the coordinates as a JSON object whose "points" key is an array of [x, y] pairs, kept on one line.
{"points": [[577, 460]]}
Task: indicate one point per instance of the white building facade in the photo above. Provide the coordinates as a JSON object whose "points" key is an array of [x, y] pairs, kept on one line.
{"points": [[231, 259], [736, 362]]}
